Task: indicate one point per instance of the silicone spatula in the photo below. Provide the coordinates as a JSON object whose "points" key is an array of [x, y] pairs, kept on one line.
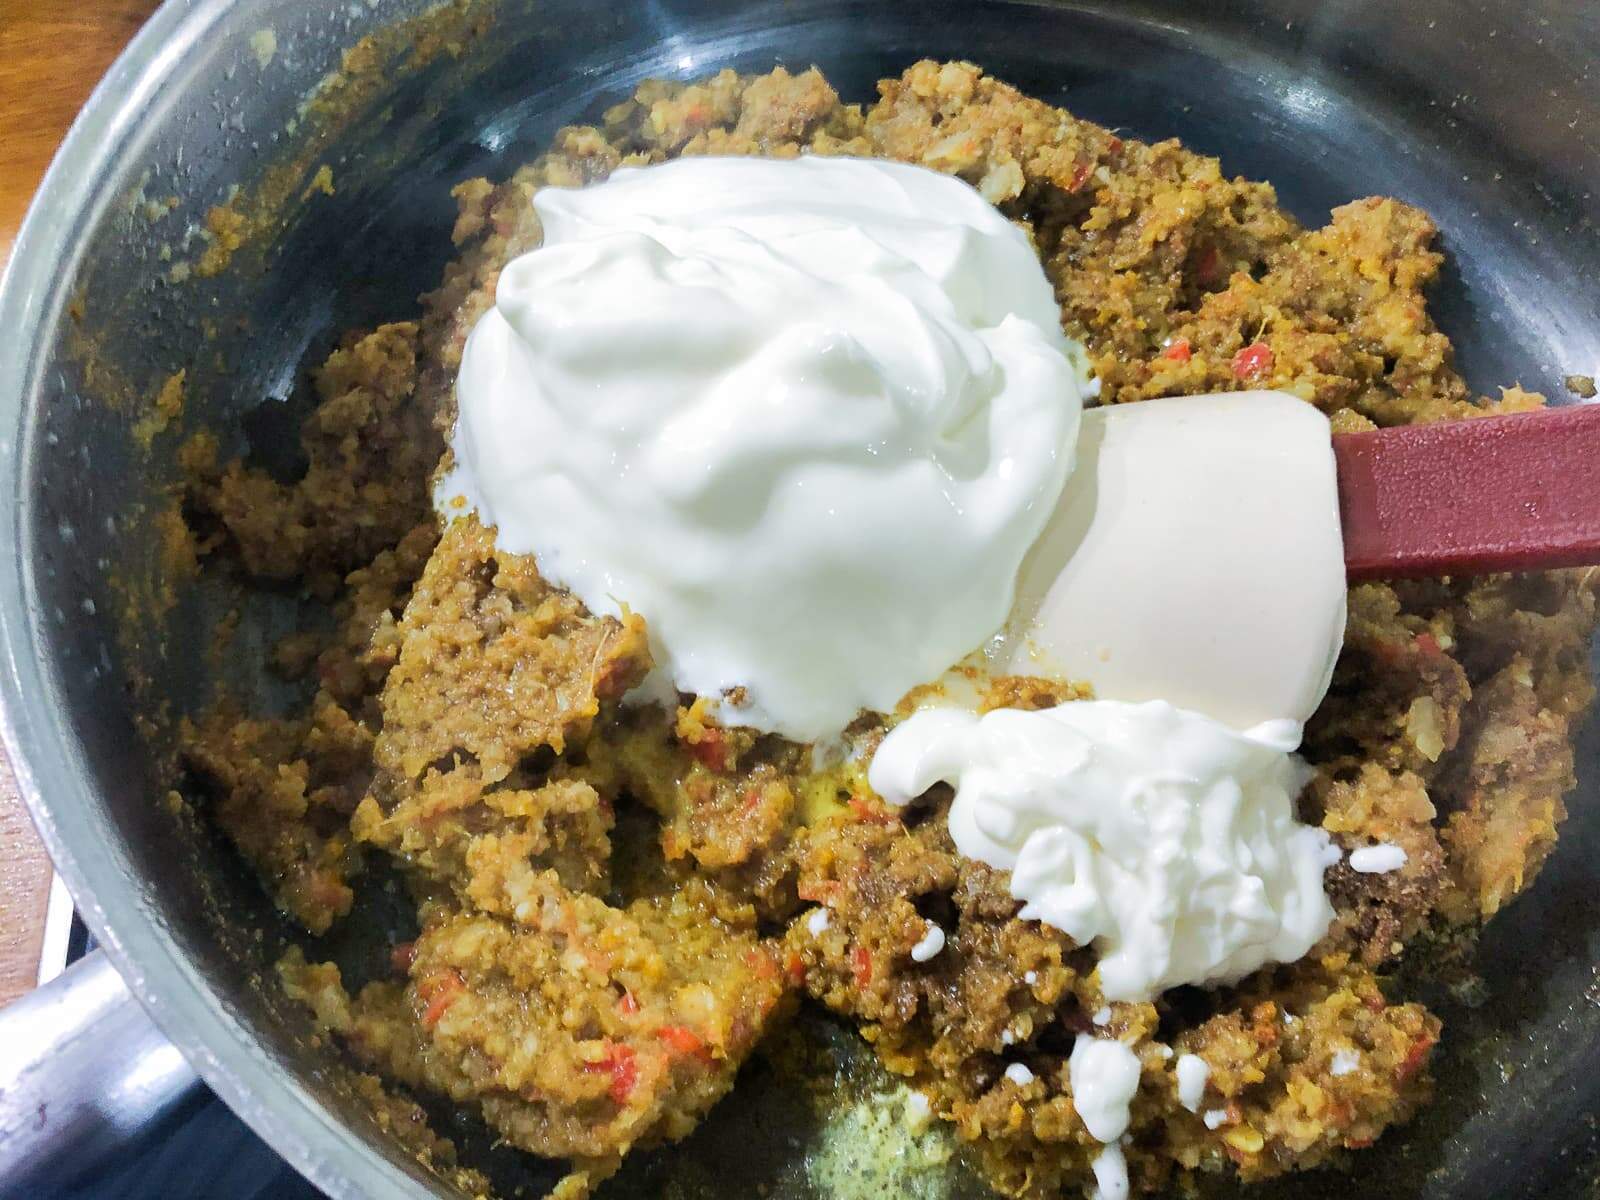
{"points": [[1200, 550], [1511, 493]]}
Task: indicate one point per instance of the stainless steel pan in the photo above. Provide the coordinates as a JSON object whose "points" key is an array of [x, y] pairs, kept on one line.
{"points": [[1486, 113]]}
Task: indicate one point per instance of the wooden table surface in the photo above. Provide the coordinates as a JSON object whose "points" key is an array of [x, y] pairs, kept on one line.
{"points": [[51, 54]]}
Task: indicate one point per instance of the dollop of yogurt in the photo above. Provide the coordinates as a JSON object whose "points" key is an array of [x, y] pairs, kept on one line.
{"points": [[1104, 1077], [1163, 837], [1193, 1072], [805, 417]]}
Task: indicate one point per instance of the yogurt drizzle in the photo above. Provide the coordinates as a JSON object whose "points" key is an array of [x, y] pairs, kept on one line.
{"points": [[1166, 839]]}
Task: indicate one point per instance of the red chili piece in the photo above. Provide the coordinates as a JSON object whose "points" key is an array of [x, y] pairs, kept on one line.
{"points": [[1254, 361], [682, 1040], [864, 810], [711, 750], [1415, 1057], [861, 964], [440, 991], [623, 1066]]}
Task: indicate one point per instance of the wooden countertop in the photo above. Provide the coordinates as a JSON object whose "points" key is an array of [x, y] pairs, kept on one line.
{"points": [[52, 52]]}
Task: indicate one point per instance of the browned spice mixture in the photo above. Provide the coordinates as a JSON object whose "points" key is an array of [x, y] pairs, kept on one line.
{"points": [[465, 721]]}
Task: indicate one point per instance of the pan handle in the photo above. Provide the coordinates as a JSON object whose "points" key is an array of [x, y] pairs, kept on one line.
{"points": [[84, 1074]]}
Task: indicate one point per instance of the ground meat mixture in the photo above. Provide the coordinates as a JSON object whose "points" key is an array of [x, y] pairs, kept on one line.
{"points": [[579, 1029], [464, 720], [370, 447]]}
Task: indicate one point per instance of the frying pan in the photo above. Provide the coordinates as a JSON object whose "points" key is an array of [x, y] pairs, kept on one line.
{"points": [[1485, 113]]}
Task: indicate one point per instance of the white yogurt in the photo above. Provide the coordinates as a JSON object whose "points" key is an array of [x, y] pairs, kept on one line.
{"points": [[1104, 1075], [1377, 860], [931, 942], [1110, 1168], [1019, 1074], [805, 417], [1164, 838], [1193, 1072]]}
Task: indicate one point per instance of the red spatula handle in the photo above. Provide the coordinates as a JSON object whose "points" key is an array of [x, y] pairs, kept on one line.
{"points": [[1511, 493]]}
